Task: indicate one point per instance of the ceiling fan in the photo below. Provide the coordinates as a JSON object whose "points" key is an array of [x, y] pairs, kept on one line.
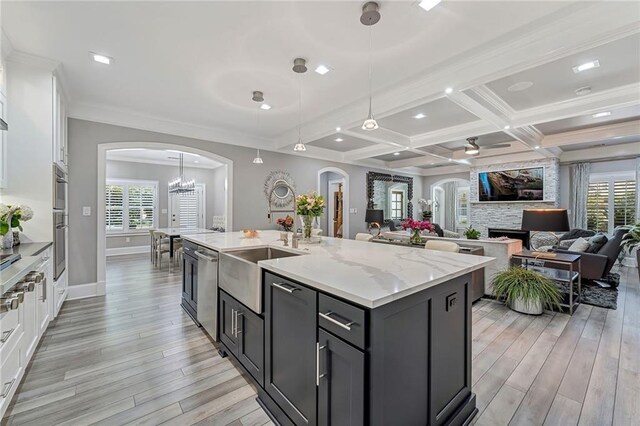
{"points": [[472, 147]]}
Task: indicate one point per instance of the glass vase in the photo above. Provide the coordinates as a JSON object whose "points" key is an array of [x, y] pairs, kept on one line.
{"points": [[416, 237], [307, 226]]}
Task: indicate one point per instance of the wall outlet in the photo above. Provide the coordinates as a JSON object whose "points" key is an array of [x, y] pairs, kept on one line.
{"points": [[452, 299], [86, 211], [353, 210], [127, 240]]}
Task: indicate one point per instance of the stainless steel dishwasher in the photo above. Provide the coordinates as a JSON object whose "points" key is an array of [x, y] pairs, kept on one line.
{"points": [[207, 313]]}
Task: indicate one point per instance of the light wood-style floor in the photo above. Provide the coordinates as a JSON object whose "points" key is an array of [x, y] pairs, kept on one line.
{"points": [[134, 357]]}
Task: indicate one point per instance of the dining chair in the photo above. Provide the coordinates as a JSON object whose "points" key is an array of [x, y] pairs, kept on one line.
{"points": [[442, 246], [177, 245], [161, 247], [153, 245]]}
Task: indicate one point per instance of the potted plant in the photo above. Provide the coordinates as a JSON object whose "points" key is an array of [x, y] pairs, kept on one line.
{"points": [[525, 290], [631, 241], [471, 233], [416, 227], [10, 217]]}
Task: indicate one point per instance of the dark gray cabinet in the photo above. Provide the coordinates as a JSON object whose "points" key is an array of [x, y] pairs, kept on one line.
{"points": [[341, 390], [290, 348], [242, 332], [190, 283]]}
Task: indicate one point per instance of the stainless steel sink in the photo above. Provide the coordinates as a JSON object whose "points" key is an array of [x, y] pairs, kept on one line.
{"points": [[240, 274]]}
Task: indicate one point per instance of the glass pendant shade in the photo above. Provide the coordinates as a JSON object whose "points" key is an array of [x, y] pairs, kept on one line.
{"points": [[370, 123], [299, 146], [471, 150]]}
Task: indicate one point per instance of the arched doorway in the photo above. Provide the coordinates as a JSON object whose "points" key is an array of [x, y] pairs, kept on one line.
{"points": [[451, 206], [103, 149], [333, 183]]}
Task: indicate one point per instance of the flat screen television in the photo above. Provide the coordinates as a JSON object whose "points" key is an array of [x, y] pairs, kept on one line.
{"points": [[512, 185]]}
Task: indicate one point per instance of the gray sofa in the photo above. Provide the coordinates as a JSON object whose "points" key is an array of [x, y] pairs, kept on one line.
{"points": [[596, 266]]}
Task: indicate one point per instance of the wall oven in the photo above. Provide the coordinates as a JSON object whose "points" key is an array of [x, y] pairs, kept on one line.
{"points": [[59, 243], [59, 188]]}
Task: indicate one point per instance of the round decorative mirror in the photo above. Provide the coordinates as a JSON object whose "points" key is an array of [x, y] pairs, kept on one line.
{"points": [[275, 186]]}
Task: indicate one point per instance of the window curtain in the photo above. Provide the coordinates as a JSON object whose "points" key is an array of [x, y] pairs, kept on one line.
{"points": [[449, 206], [579, 188]]}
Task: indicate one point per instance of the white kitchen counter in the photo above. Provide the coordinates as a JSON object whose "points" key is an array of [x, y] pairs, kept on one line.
{"points": [[368, 274]]}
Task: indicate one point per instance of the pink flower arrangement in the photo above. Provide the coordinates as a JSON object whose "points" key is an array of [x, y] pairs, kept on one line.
{"points": [[417, 225]]}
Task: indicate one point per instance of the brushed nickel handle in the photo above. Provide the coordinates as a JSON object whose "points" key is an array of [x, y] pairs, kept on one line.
{"points": [[281, 286], [44, 290], [7, 388], [238, 314], [18, 294], [8, 304], [6, 335], [328, 317], [205, 257], [233, 320], [318, 375]]}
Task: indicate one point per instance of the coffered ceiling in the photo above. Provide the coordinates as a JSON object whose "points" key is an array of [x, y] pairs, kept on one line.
{"points": [[189, 68]]}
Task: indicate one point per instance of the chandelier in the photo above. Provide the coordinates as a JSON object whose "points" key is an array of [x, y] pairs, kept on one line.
{"points": [[180, 185]]}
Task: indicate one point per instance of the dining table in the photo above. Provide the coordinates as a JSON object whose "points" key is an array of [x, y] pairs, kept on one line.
{"points": [[173, 233]]}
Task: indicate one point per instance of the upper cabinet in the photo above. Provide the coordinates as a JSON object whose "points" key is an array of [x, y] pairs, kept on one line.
{"points": [[60, 152], [3, 143]]}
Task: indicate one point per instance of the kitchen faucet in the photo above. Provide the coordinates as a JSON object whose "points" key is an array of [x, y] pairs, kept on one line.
{"points": [[283, 184]]}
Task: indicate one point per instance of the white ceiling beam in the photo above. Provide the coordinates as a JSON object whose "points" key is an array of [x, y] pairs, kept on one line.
{"points": [[613, 152], [493, 101], [522, 156], [619, 97], [593, 134], [382, 136], [476, 108], [460, 132], [416, 161], [445, 170]]}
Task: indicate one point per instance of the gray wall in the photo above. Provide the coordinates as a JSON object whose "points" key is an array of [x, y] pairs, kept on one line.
{"points": [[249, 202], [212, 178]]}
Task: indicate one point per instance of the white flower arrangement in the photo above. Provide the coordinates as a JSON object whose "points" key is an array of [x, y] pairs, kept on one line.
{"points": [[11, 216]]}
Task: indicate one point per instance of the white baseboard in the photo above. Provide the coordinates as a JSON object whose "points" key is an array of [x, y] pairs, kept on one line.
{"points": [[119, 251], [82, 291]]}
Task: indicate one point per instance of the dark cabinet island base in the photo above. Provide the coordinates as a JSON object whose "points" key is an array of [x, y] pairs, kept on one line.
{"points": [[328, 361]]}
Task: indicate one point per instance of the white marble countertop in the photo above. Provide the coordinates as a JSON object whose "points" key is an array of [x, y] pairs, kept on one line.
{"points": [[368, 274]]}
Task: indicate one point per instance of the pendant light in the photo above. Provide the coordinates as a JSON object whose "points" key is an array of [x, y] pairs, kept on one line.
{"points": [[300, 67], [370, 16], [472, 147], [259, 98], [180, 185]]}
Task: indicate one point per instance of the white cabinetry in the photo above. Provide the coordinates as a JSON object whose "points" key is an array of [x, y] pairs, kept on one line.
{"points": [[60, 152], [22, 328], [3, 143]]}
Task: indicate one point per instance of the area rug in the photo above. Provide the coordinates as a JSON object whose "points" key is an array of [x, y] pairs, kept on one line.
{"points": [[593, 294]]}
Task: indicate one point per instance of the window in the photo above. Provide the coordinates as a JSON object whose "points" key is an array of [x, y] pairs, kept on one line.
{"points": [[397, 204], [611, 201], [130, 205]]}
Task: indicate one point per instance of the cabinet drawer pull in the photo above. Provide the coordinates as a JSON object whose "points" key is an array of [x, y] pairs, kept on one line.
{"points": [[6, 335], [318, 375], [281, 286], [7, 388], [328, 317], [233, 322], [238, 314]]}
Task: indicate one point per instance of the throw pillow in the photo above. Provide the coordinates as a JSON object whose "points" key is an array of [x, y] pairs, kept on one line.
{"points": [[566, 243], [596, 242], [580, 245], [577, 233]]}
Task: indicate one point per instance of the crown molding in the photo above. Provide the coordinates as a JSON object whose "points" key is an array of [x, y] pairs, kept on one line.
{"points": [[611, 152], [20, 57]]}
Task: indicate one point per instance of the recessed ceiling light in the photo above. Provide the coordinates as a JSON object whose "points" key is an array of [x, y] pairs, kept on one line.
{"points": [[428, 4], [601, 114], [265, 107], [419, 115], [618, 137], [338, 129], [396, 153], [449, 159], [339, 139], [586, 66], [507, 127], [581, 91], [102, 59], [322, 69], [520, 86], [195, 161], [536, 147], [448, 90]]}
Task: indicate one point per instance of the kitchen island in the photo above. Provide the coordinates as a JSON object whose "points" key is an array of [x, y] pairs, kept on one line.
{"points": [[348, 332]]}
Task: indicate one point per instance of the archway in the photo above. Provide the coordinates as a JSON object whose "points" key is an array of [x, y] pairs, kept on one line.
{"points": [[332, 176], [451, 206]]}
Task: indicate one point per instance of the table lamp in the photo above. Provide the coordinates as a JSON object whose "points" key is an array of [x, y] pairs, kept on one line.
{"points": [[545, 220]]}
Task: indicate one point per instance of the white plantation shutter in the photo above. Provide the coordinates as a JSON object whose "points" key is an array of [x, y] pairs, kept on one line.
{"points": [[611, 202], [189, 210], [130, 205], [114, 207]]}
